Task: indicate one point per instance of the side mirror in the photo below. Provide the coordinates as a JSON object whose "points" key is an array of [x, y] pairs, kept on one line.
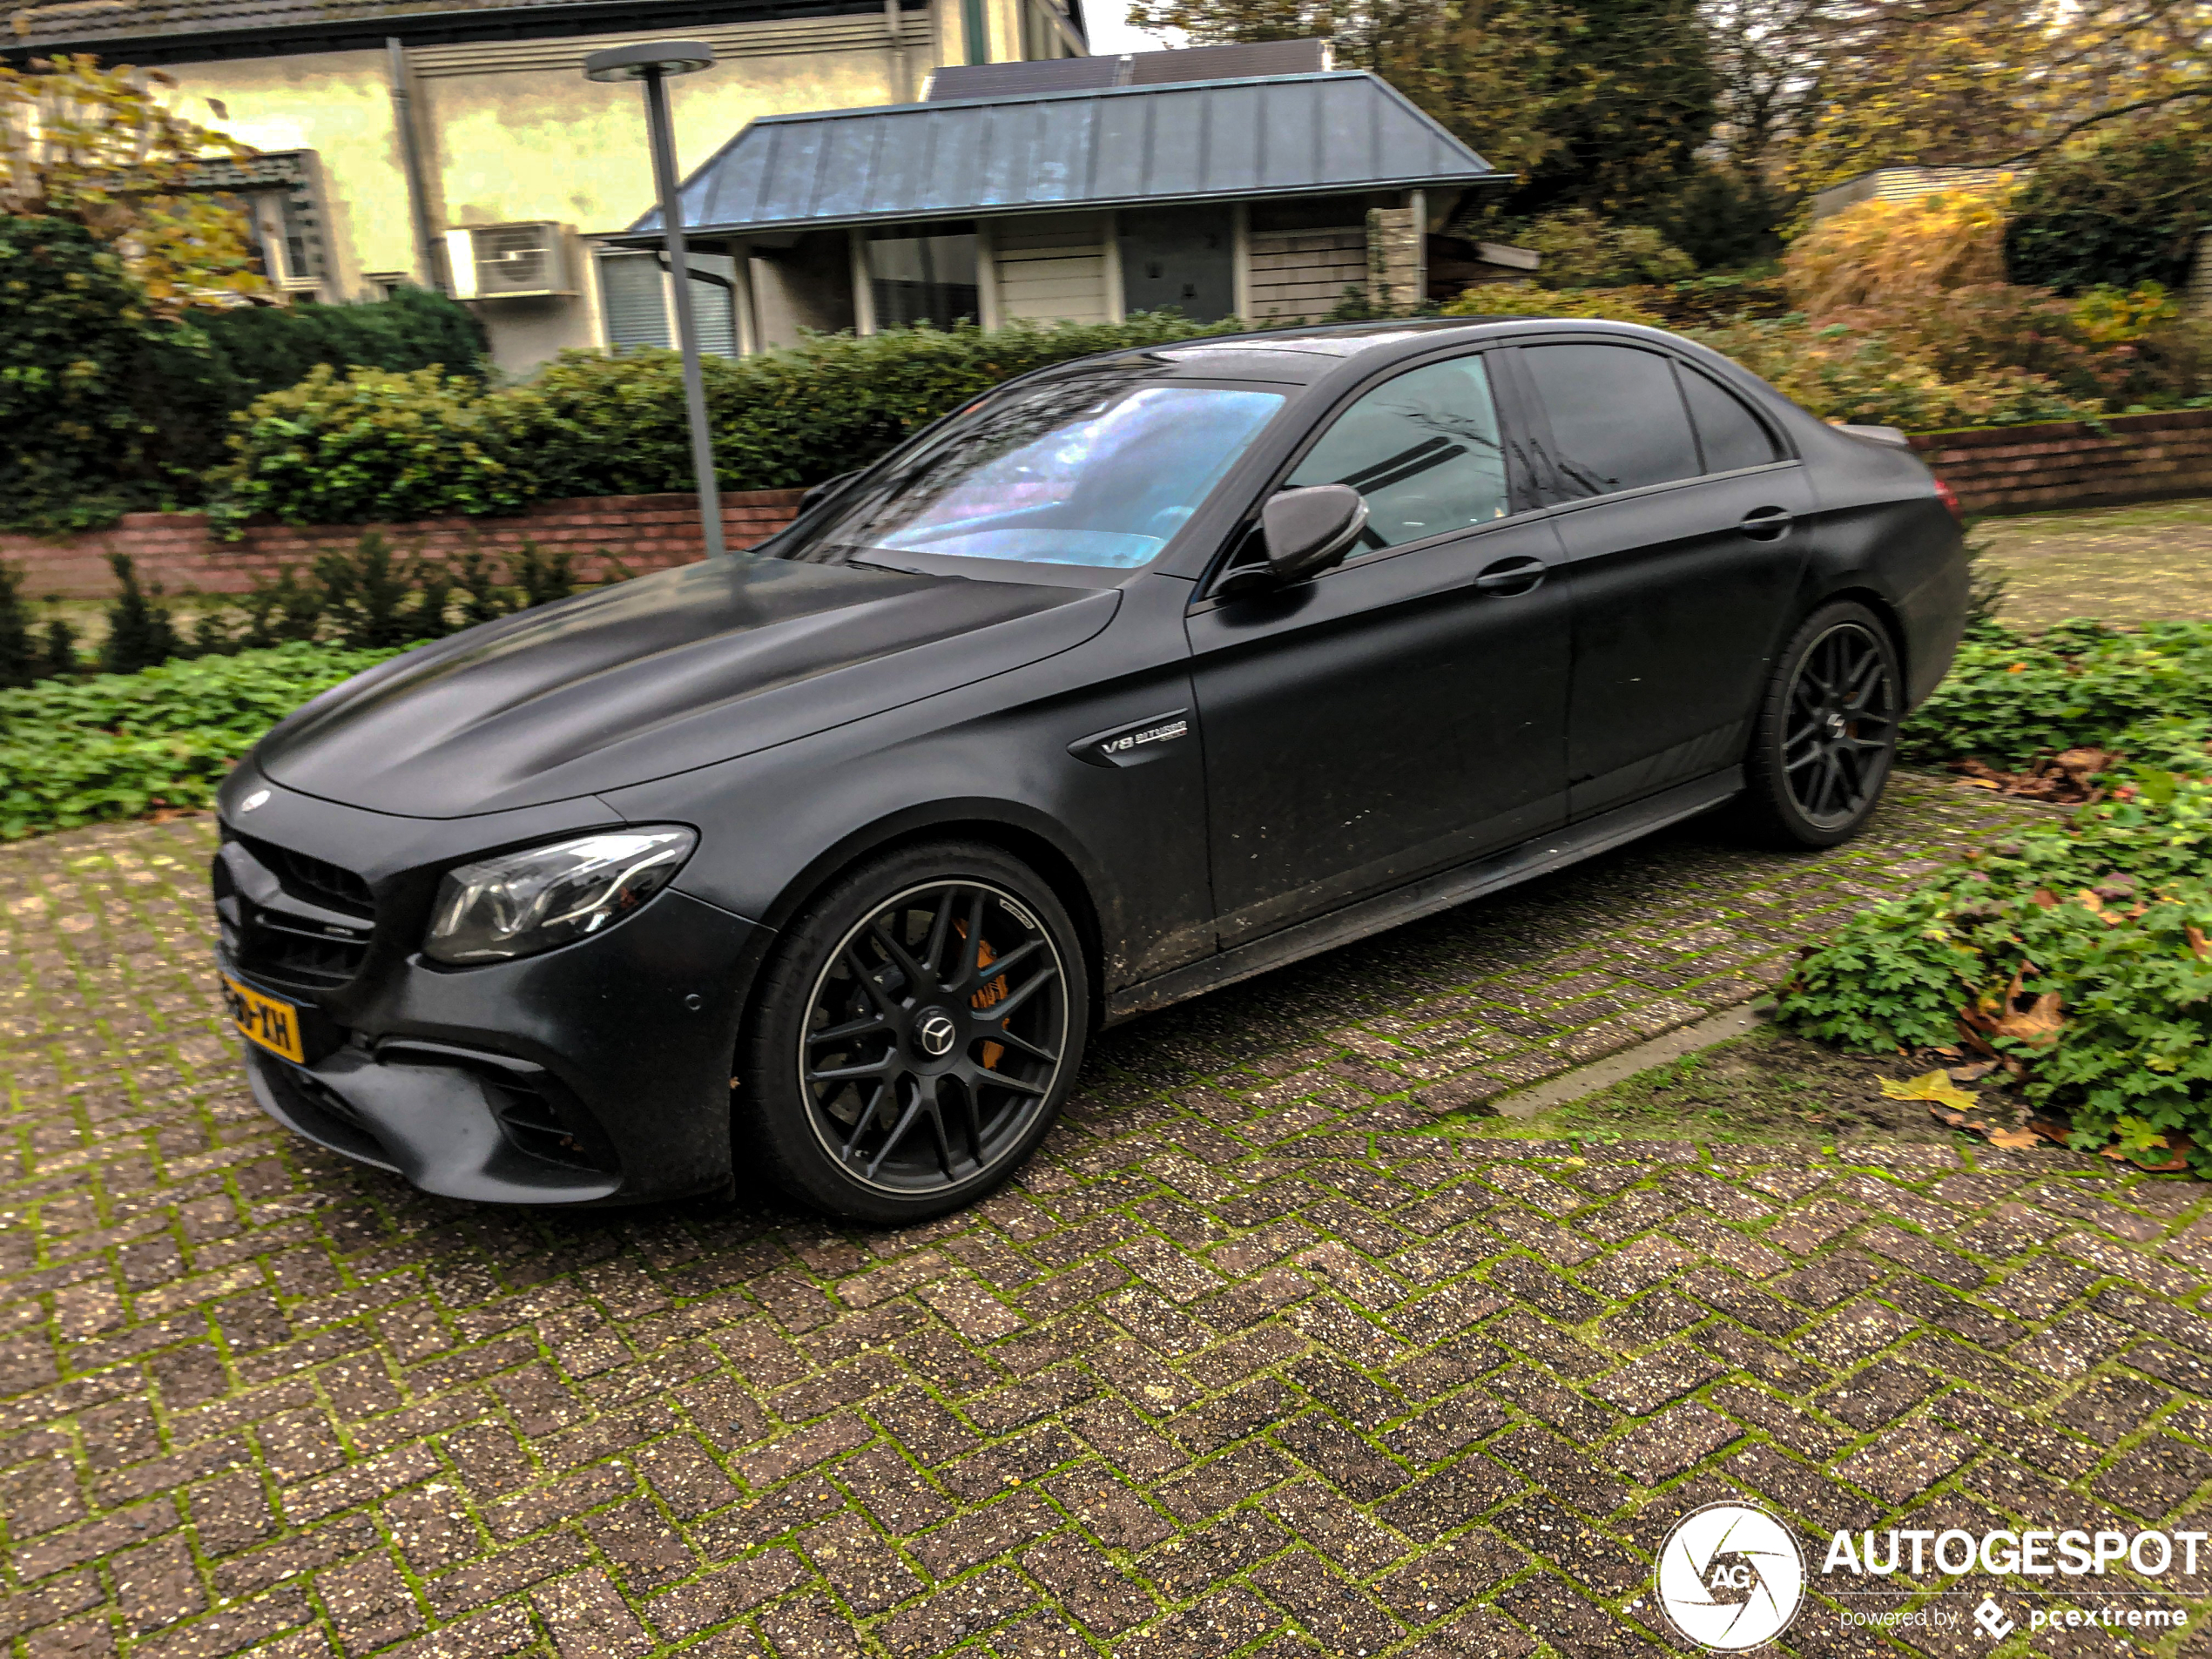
{"points": [[824, 490], [1308, 530]]}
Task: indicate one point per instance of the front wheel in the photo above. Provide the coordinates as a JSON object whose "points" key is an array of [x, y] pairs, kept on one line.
{"points": [[1826, 733], [916, 1034]]}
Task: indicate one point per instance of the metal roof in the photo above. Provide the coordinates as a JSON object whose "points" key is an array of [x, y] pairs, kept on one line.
{"points": [[1278, 135]]}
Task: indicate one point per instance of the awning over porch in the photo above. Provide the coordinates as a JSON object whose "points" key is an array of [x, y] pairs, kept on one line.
{"points": [[1123, 146]]}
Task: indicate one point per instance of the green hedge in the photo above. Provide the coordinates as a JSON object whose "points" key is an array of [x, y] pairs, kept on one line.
{"points": [[369, 446], [120, 745], [105, 408], [2126, 210], [257, 350]]}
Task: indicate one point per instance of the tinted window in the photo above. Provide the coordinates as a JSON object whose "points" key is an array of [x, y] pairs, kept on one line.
{"points": [[1423, 449], [1617, 421], [1731, 434], [1096, 469]]}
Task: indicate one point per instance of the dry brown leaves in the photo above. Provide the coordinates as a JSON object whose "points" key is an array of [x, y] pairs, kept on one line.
{"points": [[2064, 779]]}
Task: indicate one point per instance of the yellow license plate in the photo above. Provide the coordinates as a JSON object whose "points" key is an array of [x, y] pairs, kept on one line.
{"points": [[264, 1019]]}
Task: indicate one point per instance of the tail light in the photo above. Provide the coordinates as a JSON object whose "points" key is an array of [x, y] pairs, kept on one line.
{"points": [[1949, 497]]}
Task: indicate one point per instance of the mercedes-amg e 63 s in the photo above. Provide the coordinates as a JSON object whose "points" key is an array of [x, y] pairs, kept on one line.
{"points": [[1136, 676]]}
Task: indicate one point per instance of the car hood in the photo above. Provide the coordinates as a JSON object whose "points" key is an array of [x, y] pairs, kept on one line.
{"points": [[658, 676]]}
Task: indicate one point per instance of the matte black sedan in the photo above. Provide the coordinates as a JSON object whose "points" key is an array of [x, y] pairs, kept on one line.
{"points": [[1137, 675]]}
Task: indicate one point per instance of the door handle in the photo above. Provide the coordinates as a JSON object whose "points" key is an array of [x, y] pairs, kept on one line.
{"points": [[1767, 524], [1510, 577]]}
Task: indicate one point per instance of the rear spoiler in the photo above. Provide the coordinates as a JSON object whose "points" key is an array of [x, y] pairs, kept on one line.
{"points": [[1888, 434]]}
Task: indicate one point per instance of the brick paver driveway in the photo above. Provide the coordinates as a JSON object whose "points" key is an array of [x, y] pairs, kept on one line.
{"points": [[1253, 1359]]}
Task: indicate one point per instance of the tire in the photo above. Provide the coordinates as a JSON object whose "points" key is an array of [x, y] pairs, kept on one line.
{"points": [[894, 1069], [1825, 736]]}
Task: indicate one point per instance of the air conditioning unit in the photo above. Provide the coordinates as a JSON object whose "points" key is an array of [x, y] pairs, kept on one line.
{"points": [[510, 261]]}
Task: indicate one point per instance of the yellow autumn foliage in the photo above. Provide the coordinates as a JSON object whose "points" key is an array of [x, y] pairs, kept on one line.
{"points": [[1881, 253]]}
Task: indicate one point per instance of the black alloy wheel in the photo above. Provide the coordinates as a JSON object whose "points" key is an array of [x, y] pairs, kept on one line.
{"points": [[926, 1031], [1827, 731]]}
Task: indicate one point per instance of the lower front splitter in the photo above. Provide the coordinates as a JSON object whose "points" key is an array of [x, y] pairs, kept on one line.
{"points": [[435, 1126]]}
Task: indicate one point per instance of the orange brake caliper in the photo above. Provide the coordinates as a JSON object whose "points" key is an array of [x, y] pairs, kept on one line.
{"points": [[988, 996]]}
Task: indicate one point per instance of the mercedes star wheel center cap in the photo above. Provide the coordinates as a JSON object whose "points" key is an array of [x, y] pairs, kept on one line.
{"points": [[935, 1033]]}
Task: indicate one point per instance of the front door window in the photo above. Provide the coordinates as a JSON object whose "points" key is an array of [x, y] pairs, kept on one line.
{"points": [[1423, 448]]}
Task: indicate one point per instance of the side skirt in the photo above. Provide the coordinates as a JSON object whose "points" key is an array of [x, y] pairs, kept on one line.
{"points": [[1425, 898]]}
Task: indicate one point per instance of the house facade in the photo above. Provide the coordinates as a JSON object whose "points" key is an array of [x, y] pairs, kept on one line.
{"points": [[1907, 184], [1251, 181], [458, 146]]}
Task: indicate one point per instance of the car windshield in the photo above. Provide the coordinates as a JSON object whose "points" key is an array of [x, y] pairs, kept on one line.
{"points": [[1098, 470]]}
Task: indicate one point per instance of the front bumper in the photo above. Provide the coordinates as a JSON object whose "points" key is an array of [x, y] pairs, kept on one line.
{"points": [[449, 1129], [597, 1073]]}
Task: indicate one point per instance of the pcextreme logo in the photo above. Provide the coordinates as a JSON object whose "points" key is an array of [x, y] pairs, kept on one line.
{"points": [[1731, 1577]]}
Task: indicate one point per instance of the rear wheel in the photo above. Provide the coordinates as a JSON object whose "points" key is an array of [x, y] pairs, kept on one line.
{"points": [[916, 1034], [1826, 734]]}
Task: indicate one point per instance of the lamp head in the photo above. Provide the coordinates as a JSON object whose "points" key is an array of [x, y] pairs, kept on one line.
{"points": [[635, 63]]}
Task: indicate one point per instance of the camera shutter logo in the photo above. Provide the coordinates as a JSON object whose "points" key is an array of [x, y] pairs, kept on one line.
{"points": [[1731, 1577]]}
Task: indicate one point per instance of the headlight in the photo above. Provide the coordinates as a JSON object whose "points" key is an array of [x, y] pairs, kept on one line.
{"points": [[521, 903]]}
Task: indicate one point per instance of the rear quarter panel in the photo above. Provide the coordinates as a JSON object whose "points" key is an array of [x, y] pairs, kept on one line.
{"points": [[1882, 530]]}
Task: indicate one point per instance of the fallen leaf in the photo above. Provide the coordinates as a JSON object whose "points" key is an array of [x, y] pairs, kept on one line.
{"points": [[2045, 898], [1933, 1086], [2178, 1148], [2054, 1129], [2038, 1024], [1972, 1074], [2014, 1140], [2198, 943]]}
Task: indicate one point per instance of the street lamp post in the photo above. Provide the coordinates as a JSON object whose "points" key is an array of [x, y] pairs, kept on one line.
{"points": [[653, 64]]}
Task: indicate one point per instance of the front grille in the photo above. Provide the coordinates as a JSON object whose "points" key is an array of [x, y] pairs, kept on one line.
{"points": [[296, 920], [313, 878]]}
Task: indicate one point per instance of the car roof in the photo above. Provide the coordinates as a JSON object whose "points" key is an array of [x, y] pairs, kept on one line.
{"points": [[1308, 353]]}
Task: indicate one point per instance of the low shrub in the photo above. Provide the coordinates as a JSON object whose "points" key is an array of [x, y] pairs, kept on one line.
{"points": [[1523, 299], [2011, 697], [1844, 372], [2076, 956], [372, 445], [141, 631], [120, 745], [1583, 250]]}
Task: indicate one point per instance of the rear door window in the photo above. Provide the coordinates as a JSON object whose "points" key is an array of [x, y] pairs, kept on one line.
{"points": [[1424, 448], [1730, 434], [1617, 420]]}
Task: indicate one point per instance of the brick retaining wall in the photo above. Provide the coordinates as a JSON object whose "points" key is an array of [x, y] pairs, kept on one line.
{"points": [[645, 532], [1994, 469], [2072, 463]]}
